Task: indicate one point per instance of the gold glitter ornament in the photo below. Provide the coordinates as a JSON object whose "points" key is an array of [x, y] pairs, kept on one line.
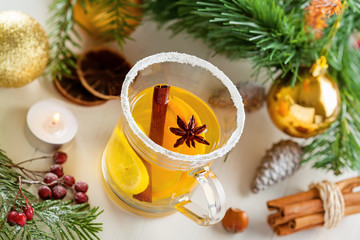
{"points": [[24, 49], [308, 108]]}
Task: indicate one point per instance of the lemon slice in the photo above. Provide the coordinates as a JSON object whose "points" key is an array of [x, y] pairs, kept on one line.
{"points": [[126, 169]]}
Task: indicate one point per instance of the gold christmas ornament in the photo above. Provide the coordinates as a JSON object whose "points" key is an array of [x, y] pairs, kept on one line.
{"points": [[98, 19], [24, 49], [308, 108]]}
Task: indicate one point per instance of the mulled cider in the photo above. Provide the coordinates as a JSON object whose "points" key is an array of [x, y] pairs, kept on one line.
{"points": [[190, 127], [167, 137]]}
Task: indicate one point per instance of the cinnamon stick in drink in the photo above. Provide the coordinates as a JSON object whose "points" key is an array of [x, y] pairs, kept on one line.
{"points": [[158, 115]]}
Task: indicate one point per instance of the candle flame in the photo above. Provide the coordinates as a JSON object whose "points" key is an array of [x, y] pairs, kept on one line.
{"points": [[55, 118]]}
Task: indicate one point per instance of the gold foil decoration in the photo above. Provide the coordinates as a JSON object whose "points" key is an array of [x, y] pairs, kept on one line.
{"points": [[319, 67], [308, 108], [24, 49]]}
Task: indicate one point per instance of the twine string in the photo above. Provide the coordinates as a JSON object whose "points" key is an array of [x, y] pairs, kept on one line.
{"points": [[333, 202]]}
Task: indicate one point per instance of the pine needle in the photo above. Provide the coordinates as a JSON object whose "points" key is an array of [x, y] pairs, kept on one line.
{"points": [[272, 34], [65, 40]]}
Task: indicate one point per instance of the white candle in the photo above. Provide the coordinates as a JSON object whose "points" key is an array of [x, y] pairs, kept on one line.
{"points": [[50, 125]]}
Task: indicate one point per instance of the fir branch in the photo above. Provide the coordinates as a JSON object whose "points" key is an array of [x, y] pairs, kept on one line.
{"points": [[271, 33], [58, 219], [54, 219], [261, 30], [63, 38], [339, 147], [117, 23]]}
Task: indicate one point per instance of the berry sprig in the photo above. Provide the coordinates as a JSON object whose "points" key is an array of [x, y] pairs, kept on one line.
{"points": [[53, 183], [54, 187], [58, 158], [50, 219], [26, 212]]}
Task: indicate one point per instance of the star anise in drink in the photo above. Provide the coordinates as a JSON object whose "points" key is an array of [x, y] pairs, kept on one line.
{"points": [[189, 133]]}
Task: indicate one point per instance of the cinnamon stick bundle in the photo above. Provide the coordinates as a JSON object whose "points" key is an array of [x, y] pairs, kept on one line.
{"points": [[158, 115], [305, 210]]}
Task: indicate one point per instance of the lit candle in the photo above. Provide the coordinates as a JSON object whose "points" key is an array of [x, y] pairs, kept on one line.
{"points": [[50, 125]]}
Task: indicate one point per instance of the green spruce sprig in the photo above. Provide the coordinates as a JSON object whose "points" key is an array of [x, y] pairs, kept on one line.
{"points": [[261, 30], [118, 28], [271, 33], [65, 38], [339, 147], [54, 219]]}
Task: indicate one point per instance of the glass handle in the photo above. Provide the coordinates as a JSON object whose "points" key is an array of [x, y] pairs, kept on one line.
{"points": [[215, 197]]}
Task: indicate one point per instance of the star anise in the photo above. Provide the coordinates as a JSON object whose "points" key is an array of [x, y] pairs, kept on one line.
{"points": [[189, 133]]}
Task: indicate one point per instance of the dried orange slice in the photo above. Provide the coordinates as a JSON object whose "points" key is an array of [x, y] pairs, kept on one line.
{"points": [[72, 89], [102, 72]]}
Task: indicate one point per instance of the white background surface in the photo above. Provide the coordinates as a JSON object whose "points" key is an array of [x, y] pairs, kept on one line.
{"points": [[97, 123]]}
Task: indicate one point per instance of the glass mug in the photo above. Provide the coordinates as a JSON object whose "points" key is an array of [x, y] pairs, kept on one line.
{"points": [[154, 180]]}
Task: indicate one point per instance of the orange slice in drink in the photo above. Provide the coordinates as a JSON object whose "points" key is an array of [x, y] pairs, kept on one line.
{"points": [[125, 167], [165, 189], [178, 107]]}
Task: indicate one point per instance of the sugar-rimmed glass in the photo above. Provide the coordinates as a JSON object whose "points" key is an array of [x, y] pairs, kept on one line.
{"points": [[202, 79]]}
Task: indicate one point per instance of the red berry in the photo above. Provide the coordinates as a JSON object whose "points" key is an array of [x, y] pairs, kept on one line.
{"points": [[11, 217], [20, 219], [358, 43], [57, 169], [81, 197], [59, 157], [81, 186], [44, 192], [29, 212], [51, 179], [68, 180], [58, 192]]}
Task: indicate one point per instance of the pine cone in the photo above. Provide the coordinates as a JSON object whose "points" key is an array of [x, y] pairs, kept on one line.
{"points": [[281, 161], [253, 96]]}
